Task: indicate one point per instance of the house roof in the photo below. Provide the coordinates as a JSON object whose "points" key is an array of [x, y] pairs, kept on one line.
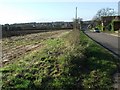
{"points": [[110, 18]]}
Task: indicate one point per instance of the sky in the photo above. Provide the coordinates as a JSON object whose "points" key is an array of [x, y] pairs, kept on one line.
{"points": [[24, 11]]}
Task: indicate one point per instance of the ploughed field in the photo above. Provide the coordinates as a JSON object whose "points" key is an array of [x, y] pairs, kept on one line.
{"points": [[14, 47]]}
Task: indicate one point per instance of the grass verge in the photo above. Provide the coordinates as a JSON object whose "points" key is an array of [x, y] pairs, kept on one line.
{"points": [[100, 65]]}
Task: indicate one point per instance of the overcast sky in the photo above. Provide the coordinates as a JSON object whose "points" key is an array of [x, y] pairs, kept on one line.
{"points": [[23, 11]]}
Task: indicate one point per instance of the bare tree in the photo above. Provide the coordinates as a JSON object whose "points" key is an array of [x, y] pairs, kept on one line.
{"points": [[104, 12]]}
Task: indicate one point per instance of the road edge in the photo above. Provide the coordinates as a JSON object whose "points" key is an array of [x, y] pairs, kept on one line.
{"points": [[116, 76]]}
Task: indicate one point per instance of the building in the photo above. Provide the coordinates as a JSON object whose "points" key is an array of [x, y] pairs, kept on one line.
{"points": [[110, 23]]}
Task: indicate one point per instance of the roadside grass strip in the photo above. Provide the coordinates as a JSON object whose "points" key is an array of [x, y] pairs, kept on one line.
{"points": [[100, 65]]}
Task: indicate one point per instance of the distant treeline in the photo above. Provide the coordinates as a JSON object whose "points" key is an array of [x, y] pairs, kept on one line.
{"points": [[28, 28]]}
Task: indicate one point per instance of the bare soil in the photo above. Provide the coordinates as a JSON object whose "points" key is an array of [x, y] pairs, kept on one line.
{"points": [[16, 46]]}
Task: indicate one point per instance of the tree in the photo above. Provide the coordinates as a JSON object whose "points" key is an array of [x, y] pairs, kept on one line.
{"points": [[104, 12]]}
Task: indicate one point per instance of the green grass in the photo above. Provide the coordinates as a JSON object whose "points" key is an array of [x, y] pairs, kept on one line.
{"points": [[37, 69], [100, 65], [70, 62]]}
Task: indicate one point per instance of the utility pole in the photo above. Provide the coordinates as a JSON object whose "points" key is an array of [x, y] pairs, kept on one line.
{"points": [[76, 14], [75, 22]]}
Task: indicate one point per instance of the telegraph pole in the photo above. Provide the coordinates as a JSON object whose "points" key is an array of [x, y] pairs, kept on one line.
{"points": [[76, 25], [76, 18], [76, 14]]}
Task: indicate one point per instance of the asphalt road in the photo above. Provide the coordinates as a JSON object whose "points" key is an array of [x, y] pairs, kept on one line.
{"points": [[110, 42]]}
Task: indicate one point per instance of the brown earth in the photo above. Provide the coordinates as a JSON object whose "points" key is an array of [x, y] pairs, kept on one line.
{"points": [[11, 50]]}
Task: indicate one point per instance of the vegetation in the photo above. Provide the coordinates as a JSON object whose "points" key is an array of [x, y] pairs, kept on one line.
{"points": [[14, 47], [104, 12], [100, 66], [68, 62]]}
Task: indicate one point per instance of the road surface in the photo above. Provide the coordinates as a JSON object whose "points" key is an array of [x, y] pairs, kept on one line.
{"points": [[108, 41]]}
